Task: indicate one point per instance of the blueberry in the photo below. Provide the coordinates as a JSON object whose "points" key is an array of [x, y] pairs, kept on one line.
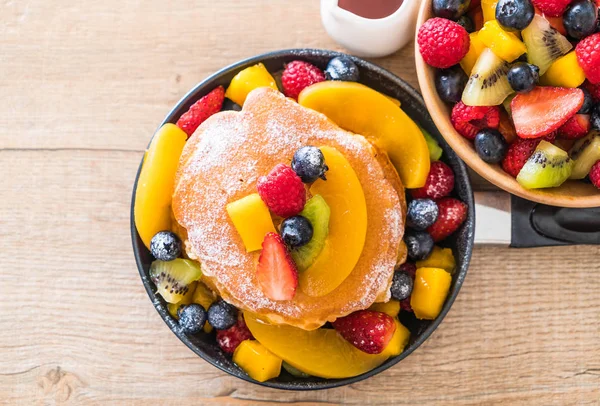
{"points": [[467, 23], [523, 77], [402, 285], [165, 246], [309, 164], [595, 117], [588, 102], [296, 231], [450, 9], [580, 19], [192, 318], [450, 83], [342, 68], [491, 146], [222, 315], [514, 15], [419, 244], [421, 214]]}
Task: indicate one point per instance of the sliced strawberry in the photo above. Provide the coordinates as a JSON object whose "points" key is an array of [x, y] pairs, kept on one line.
{"points": [[367, 330], [544, 110], [201, 110], [506, 127], [451, 214], [576, 127], [555, 22], [276, 271]]}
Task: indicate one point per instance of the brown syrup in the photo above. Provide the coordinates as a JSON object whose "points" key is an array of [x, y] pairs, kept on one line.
{"points": [[372, 9]]}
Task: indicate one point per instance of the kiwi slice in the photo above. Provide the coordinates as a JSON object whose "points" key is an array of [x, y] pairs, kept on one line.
{"points": [[435, 151], [317, 212], [549, 166], [294, 371], [544, 43], [585, 152], [173, 279], [488, 84]]}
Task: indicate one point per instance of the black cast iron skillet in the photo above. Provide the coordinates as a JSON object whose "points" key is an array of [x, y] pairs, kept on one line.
{"points": [[461, 242]]}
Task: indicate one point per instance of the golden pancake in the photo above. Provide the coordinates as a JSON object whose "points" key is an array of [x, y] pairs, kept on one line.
{"points": [[221, 164]]}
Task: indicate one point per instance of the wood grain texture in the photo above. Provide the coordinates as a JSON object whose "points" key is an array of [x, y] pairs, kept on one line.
{"points": [[84, 84]]}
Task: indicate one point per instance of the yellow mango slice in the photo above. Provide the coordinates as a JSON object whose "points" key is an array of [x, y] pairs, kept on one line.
{"points": [[504, 44], [489, 9], [439, 258], [391, 307], [247, 80], [252, 220], [153, 195], [257, 361], [362, 110], [322, 352], [475, 49], [429, 292], [564, 72], [347, 226]]}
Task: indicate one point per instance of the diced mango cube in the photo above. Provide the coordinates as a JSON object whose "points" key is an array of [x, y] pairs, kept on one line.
{"points": [[247, 80], [391, 307], [564, 72], [251, 217], [258, 362], [399, 340], [475, 49], [439, 258], [429, 292], [503, 43], [489, 9]]}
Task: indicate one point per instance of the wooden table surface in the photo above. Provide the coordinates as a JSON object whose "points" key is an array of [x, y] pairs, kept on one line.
{"points": [[83, 85]]}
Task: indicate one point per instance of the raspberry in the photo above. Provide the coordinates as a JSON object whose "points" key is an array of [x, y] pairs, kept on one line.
{"points": [[408, 267], [593, 89], [297, 75], [442, 43], [552, 8], [229, 339], [588, 57], [282, 191], [468, 120], [201, 110], [595, 174], [439, 183], [518, 153]]}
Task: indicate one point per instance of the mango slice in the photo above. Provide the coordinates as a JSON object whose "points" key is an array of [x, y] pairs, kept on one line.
{"points": [[391, 307], [429, 292], [439, 258], [257, 361], [251, 217], [347, 226], [504, 44], [564, 72], [476, 47], [247, 80], [153, 195], [489, 9], [362, 110], [322, 352]]}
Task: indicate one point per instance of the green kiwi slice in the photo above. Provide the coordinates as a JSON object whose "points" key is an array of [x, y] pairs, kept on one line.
{"points": [[488, 84], [544, 43], [317, 212], [173, 278], [549, 166], [585, 152]]}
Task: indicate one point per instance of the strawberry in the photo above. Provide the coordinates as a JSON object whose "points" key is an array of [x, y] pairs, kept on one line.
{"points": [[451, 214], [367, 330], [228, 340], [506, 127], [282, 191], [439, 183], [576, 127], [468, 120], [544, 110], [555, 22], [588, 57], [595, 174], [298, 75], [442, 43], [518, 153], [201, 110], [276, 272]]}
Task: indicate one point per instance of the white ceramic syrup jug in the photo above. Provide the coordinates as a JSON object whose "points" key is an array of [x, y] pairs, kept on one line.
{"points": [[366, 37]]}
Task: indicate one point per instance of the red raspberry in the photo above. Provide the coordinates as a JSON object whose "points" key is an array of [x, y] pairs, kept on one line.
{"points": [[595, 174], [518, 153], [442, 43], [588, 57], [229, 339], [593, 89], [469, 120], [297, 75], [553, 8], [201, 110], [452, 213], [282, 191], [439, 183]]}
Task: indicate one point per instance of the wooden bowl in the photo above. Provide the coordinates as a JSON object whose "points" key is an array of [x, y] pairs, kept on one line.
{"points": [[570, 194]]}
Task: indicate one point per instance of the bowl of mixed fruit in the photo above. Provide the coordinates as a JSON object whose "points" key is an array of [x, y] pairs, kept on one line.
{"points": [[514, 87], [298, 221]]}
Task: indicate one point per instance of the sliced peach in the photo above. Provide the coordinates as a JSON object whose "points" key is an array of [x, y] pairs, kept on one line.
{"points": [[252, 220], [347, 226], [247, 80], [322, 352], [362, 110], [152, 209]]}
